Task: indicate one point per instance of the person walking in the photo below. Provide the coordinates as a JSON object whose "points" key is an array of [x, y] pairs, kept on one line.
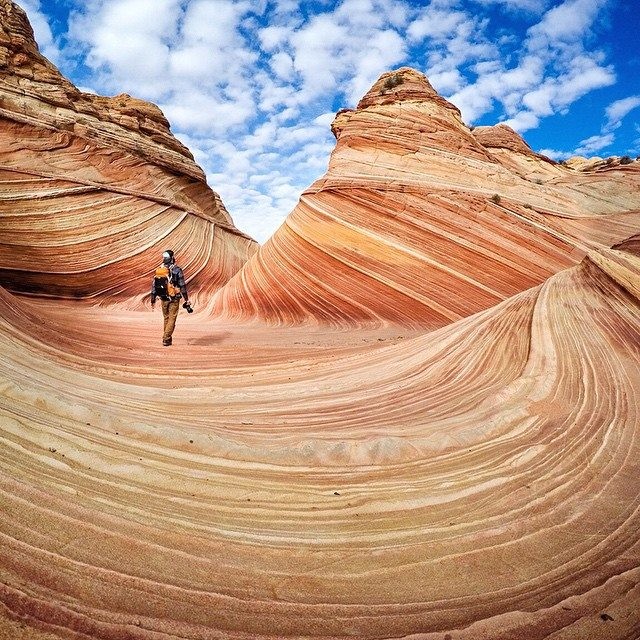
{"points": [[168, 285]]}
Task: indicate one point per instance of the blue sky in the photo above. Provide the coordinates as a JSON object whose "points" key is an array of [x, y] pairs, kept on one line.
{"points": [[251, 86]]}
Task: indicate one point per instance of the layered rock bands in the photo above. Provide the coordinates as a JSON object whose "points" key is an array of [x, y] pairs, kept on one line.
{"points": [[421, 221], [413, 413]]}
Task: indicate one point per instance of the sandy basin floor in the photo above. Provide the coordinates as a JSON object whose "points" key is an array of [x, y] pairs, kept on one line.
{"points": [[477, 482]]}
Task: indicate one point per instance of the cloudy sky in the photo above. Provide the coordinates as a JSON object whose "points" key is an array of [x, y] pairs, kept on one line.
{"points": [[251, 86]]}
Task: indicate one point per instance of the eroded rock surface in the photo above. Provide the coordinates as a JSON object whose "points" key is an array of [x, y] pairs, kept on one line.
{"points": [[477, 481]]}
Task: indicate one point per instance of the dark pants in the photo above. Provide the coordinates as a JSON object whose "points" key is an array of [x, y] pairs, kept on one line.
{"points": [[170, 310]]}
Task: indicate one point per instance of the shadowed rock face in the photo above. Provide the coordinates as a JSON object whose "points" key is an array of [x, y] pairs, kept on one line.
{"points": [[420, 221], [478, 481], [92, 188]]}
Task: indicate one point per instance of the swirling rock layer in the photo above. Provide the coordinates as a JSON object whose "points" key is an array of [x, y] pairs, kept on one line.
{"points": [[478, 481], [93, 189]]}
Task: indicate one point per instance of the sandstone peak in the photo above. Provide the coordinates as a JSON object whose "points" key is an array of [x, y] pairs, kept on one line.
{"points": [[414, 206], [596, 163], [396, 99], [403, 84], [35, 88], [19, 53], [580, 163], [15, 30]]}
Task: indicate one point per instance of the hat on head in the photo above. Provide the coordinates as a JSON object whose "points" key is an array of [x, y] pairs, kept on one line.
{"points": [[167, 256]]}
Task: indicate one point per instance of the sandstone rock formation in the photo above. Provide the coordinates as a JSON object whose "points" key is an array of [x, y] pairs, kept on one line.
{"points": [[478, 481], [421, 221], [93, 189]]}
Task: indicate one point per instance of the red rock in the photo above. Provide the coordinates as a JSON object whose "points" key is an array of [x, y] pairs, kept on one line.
{"points": [[471, 482], [421, 222]]}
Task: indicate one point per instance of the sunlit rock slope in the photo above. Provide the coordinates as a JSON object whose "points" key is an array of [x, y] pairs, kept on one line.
{"points": [[92, 189], [477, 481], [421, 221]]}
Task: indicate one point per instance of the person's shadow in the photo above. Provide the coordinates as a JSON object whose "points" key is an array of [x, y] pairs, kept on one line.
{"points": [[213, 339]]}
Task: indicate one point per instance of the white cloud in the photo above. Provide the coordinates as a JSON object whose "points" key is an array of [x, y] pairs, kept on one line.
{"points": [[523, 121], [341, 50], [504, 85], [203, 113], [126, 42], [569, 21], [554, 70], [590, 145], [617, 110], [317, 54], [583, 76], [540, 99], [274, 36], [437, 24], [447, 82], [325, 119], [532, 6], [362, 14], [556, 94], [554, 154], [214, 22], [460, 41], [191, 59], [282, 65]]}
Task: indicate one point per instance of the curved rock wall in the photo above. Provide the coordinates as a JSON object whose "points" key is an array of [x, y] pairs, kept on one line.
{"points": [[478, 481], [93, 189]]}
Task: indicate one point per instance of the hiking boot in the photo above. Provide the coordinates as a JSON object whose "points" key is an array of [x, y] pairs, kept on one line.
{"points": [[166, 343]]}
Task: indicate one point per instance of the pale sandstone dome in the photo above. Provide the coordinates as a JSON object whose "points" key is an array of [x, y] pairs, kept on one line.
{"points": [[92, 188], [478, 481], [584, 164], [594, 164]]}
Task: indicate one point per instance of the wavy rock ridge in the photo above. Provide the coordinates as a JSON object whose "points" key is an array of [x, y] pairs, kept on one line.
{"points": [[79, 173], [478, 481]]}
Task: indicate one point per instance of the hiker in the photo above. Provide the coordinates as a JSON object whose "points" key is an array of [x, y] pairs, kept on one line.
{"points": [[168, 285]]}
